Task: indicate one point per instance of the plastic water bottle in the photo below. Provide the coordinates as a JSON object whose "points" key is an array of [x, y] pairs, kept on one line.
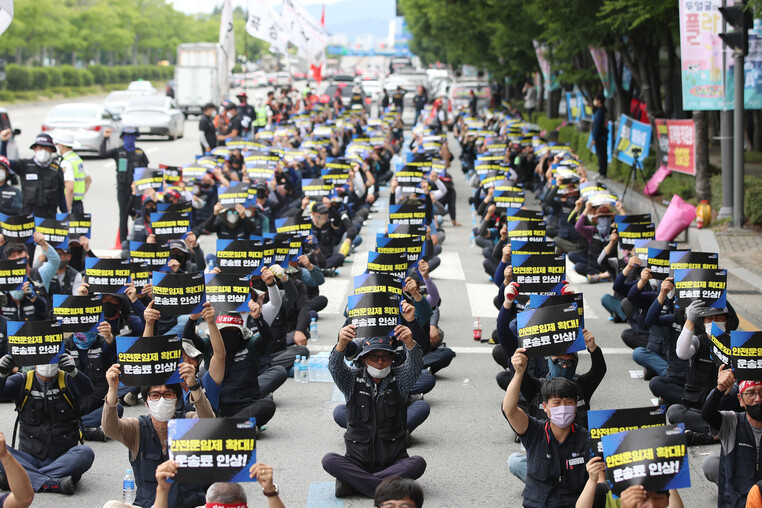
{"points": [[210, 266], [303, 371], [313, 330], [472, 239], [297, 368], [128, 488]]}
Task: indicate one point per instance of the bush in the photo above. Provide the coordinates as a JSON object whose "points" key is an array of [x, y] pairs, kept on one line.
{"points": [[87, 77], [18, 78], [55, 76], [752, 202], [100, 74], [40, 79], [121, 74], [71, 77]]}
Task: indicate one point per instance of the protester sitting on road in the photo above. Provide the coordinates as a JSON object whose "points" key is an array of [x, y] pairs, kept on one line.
{"points": [[669, 387], [376, 423], [50, 441], [598, 235], [396, 492], [146, 436], [17, 481]]}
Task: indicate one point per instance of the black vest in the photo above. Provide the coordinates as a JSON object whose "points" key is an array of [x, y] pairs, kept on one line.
{"points": [[48, 425], [676, 366], [239, 386], [740, 469], [149, 456], [92, 363], [41, 188], [702, 375], [376, 426], [124, 178], [56, 288], [8, 196]]}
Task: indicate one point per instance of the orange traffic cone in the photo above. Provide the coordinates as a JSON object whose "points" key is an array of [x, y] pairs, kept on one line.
{"points": [[118, 243]]}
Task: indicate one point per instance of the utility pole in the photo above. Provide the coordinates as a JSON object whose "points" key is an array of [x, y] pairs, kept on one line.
{"points": [[726, 141]]}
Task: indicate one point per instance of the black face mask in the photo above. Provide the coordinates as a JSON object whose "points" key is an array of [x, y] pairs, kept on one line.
{"points": [[233, 340], [206, 186], [755, 411], [110, 309], [149, 211]]}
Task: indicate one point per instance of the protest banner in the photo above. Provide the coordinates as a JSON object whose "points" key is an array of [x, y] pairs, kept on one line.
{"points": [[677, 145], [539, 273], [644, 218], [173, 175], [526, 231], [701, 55], [235, 194], [149, 361], [316, 188], [537, 301], [268, 249], [106, 275], [655, 457], [508, 198], [402, 230], [658, 262], [720, 346], [409, 180], [696, 284], [392, 264], [155, 255], [177, 294], [746, 355], [641, 247], [55, 232], [336, 171], [553, 330], [79, 225], [179, 207], [78, 313], [300, 225], [686, 259], [411, 246], [193, 173], [170, 225], [408, 213], [521, 215], [374, 314], [228, 292], [632, 134], [241, 257], [212, 449], [377, 283], [12, 274], [34, 342], [603, 422], [17, 228], [281, 246], [140, 275], [523, 247], [628, 233], [148, 178]]}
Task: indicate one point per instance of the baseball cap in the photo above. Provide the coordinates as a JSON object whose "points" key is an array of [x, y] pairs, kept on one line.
{"points": [[190, 348], [376, 344], [230, 320]]}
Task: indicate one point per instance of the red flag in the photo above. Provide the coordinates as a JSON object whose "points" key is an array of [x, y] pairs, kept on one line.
{"points": [[317, 70]]}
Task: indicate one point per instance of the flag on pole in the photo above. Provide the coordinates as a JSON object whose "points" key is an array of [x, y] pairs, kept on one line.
{"points": [[265, 24], [227, 36], [317, 66]]}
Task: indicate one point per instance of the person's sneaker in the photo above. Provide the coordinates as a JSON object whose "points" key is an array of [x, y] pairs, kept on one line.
{"points": [[130, 399], [343, 489], [699, 438], [59, 486], [4, 481], [94, 434]]}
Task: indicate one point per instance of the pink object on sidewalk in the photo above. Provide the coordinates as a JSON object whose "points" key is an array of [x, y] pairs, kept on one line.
{"points": [[678, 217], [658, 177]]}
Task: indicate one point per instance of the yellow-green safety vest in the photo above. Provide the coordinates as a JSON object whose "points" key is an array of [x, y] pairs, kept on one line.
{"points": [[261, 120], [79, 174]]}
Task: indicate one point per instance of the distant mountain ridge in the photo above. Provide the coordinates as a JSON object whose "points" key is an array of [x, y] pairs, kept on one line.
{"points": [[356, 17]]}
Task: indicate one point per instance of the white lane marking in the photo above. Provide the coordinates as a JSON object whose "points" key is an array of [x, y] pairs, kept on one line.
{"points": [[451, 268], [589, 314], [480, 299], [151, 150], [336, 290], [359, 263]]}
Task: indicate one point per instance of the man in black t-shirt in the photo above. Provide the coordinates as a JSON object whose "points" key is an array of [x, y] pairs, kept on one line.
{"points": [[208, 133]]}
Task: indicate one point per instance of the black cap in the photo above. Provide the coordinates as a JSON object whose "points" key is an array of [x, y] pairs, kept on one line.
{"points": [[376, 344], [43, 139], [320, 208]]}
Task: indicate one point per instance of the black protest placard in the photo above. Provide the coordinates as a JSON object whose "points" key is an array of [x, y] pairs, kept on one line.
{"points": [[228, 292], [78, 313], [141, 275], [241, 257], [628, 233], [148, 178], [178, 294], [409, 213], [644, 218], [257, 172], [411, 246], [521, 214], [374, 314], [686, 259], [524, 247], [641, 248], [107, 275], [281, 246], [316, 188], [392, 264], [300, 225], [527, 231], [173, 175], [34, 342], [79, 224], [17, 228], [12, 274], [268, 249], [539, 273], [509, 198], [409, 180], [179, 207], [377, 283], [720, 346], [149, 361], [236, 194], [155, 255], [710, 286], [55, 232], [602, 422], [170, 225], [746, 355], [536, 301], [212, 449], [401, 230], [658, 262], [193, 172], [549, 331], [655, 457]]}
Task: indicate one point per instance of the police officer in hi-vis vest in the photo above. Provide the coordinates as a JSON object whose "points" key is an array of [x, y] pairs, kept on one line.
{"points": [[76, 179]]}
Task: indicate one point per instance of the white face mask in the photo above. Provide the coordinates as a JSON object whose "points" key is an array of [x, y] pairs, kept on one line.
{"points": [[563, 416], [590, 217], [379, 373], [3, 175], [42, 156], [47, 370], [162, 409], [708, 327]]}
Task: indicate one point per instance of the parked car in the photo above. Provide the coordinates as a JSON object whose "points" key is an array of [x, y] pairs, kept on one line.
{"points": [[170, 88], [460, 93], [283, 79], [5, 123], [87, 122], [158, 116], [142, 86], [116, 101]]}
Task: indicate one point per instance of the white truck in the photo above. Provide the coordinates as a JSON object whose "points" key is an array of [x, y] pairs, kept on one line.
{"points": [[201, 76]]}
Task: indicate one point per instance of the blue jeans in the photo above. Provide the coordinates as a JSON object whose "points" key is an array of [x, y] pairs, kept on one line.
{"points": [[73, 463], [417, 412], [424, 384], [517, 464], [614, 306], [650, 360]]}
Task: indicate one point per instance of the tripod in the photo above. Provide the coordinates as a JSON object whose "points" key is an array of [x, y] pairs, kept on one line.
{"points": [[636, 170]]}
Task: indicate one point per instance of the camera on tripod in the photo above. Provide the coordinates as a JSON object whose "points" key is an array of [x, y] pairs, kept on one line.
{"points": [[636, 150]]}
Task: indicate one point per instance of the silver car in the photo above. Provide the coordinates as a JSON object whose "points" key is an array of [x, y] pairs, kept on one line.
{"points": [[87, 122], [117, 101], [155, 115]]}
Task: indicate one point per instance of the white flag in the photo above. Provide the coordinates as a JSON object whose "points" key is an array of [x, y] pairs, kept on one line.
{"points": [[227, 36], [6, 14], [265, 23], [304, 32]]}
